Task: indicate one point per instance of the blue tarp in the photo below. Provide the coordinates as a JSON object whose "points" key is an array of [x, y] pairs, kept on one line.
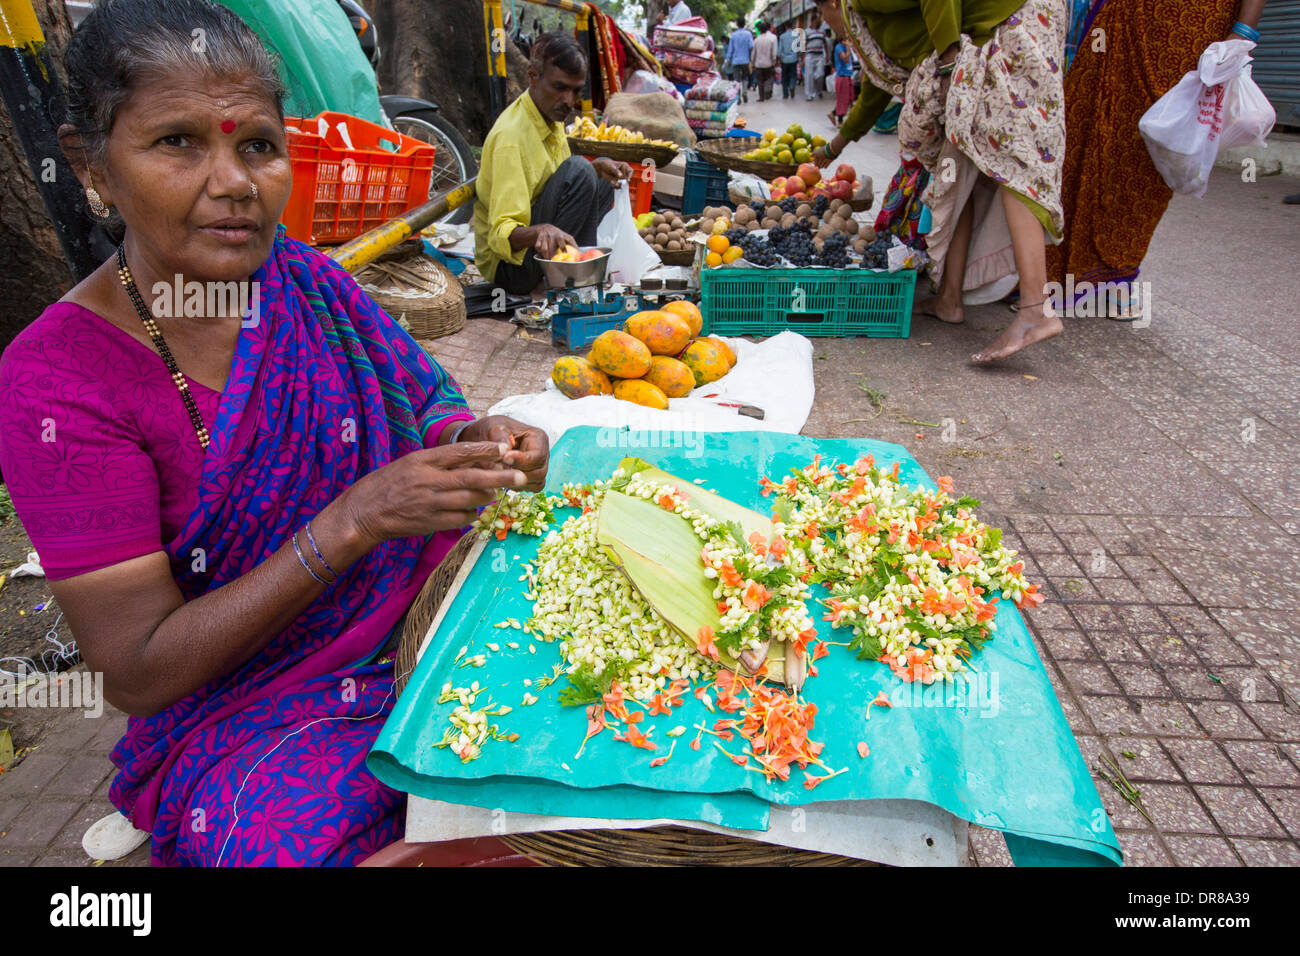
{"points": [[996, 751]]}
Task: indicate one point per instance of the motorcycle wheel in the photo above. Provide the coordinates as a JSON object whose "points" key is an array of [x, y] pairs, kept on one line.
{"points": [[453, 162]]}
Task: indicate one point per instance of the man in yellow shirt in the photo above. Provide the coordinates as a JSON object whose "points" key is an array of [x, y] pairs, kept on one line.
{"points": [[533, 196]]}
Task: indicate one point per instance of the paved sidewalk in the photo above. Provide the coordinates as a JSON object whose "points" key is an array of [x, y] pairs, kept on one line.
{"points": [[1151, 477]]}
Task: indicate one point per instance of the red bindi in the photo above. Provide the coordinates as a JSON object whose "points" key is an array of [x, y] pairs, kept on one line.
{"points": [[228, 126]]}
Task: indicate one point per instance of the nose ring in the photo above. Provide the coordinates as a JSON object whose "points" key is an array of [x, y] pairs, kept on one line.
{"points": [[253, 188]]}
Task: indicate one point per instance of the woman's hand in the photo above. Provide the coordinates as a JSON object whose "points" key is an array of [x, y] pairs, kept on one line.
{"points": [[610, 169], [821, 158], [433, 489], [530, 449]]}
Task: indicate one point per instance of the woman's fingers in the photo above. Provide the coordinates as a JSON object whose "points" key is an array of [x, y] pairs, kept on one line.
{"points": [[462, 454], [452, 479]]}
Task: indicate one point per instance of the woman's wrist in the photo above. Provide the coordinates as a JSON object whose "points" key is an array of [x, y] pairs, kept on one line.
{"points": [[340, 535], [1245, 31]]}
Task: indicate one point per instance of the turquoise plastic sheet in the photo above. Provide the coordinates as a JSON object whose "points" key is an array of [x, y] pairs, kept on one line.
{"points": [[996, 751]]}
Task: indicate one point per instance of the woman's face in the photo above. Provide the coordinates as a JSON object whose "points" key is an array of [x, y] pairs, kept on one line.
{"points": [[181, 156]]}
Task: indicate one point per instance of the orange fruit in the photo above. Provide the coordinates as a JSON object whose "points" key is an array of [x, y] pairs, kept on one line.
{"points": [[688, 311], [718, 244], [732, 254], [712, 260]]}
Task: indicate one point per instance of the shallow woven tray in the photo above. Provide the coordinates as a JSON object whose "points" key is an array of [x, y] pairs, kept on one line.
{"points": [[654, 846], [728, 154], [683, 257], [422, 289], [627, 152]]}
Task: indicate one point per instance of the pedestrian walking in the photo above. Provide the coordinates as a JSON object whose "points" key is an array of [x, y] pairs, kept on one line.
{"points": [[1112, 193], [970, 82], [814, 58], [740, 49], [789, 62], [844, 91], [766, 57]]}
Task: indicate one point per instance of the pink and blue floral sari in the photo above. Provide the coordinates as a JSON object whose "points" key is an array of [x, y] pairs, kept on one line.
{"points": [[266, 766]]}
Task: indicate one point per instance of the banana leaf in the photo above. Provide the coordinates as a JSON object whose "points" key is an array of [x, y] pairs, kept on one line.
{"points": [[701, 498]]}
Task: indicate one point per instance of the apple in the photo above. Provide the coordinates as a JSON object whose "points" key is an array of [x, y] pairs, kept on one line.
{"points": [[846, 173], [794, 184], [810, 174], [778, 194], [778, 183], [801, 197], [589, 255], [821, 190], [841, 190]]}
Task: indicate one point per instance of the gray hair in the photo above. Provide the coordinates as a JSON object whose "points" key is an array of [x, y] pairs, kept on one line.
{"points": [[124, 43]]}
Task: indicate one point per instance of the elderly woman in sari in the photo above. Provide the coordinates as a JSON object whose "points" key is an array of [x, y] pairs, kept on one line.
{"points": [[985, 115], [234, 510]]}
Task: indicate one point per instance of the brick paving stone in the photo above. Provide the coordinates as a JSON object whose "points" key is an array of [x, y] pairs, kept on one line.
{"points": [[1142, 848], [1070, 589], [1116, 590], [1167, 649], [1274, 719], [1068, 644], [990, 847], [1068, 524], [1050, 615], [1097, 617], [30, 775], [1201, 851], [1189, 619], [80, 777], [10, 807], [1174, 809], [1248, 684], [1238, 811], [1142, 619], [1140, 680], [1195, 683], [1218, 650], [73, 737], [1123, 815], [17, 857], [1148, 762], [69, 838], [1285, 803], [1168, 718], [1115, 646], [63, 857], [1262, 763], [1089, 678], [39, 822], [1267, 852], [1028, 523], [1113, 715], [1202, 761], [1224, 719]]}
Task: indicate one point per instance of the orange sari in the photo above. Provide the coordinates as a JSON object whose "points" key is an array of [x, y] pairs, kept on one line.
{"points": [[1113, 196]]}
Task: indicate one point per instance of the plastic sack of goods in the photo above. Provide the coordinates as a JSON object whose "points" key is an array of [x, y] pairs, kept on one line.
{"points": [[678, 37], [716, 89]]}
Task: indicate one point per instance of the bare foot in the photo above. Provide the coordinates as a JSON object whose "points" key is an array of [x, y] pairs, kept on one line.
{"points": [[1029, 326], [938, 308]]}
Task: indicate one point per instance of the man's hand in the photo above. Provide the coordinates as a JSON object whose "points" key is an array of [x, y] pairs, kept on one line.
{"points": [[610, 169], [549, 239], [529, 448]]}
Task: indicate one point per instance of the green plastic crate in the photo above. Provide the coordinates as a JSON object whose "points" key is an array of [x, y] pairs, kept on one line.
{"points": [[814, 302]]}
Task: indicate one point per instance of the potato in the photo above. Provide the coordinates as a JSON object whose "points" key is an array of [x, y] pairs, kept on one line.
{"points": [[678, 224], [770, 223], [859, 245], [745, 215], [787, 220], [674, 245], [836, 205], [774, 212], [819, 242], [803, 210], [658, 219], [752, 225], [678, 234], [866, 232], [706, 226], [824, 231]]}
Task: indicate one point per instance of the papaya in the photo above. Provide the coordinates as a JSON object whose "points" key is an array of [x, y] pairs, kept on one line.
{"points": [[688, 311], [619, 354], [641, 392], [726, 349], [575, 377], [706, 360], [670, 376], [664, 333]]}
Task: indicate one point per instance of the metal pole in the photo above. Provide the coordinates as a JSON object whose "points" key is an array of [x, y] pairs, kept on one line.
{"points": [[495, 33], [366, 248], [31, 92]]}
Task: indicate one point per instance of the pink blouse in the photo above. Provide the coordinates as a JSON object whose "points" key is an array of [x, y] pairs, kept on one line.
{"points": [[96, 446]]}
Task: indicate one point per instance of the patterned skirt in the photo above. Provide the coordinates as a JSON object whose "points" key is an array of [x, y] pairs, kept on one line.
{"points": [[1133, 53]]}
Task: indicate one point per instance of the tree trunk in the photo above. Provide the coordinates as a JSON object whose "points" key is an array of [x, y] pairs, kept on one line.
{"points": [[437, 51], [33, 272]]}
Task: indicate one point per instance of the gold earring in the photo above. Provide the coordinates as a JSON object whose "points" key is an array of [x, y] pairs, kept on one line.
{"points": [[96, 201]]}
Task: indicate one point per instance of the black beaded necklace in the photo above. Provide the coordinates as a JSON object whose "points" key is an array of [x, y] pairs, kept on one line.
{"points": [[155, 333]]}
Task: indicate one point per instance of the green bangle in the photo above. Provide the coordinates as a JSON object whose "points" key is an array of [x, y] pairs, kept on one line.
{"points": [[946, 68], [830, 151]]}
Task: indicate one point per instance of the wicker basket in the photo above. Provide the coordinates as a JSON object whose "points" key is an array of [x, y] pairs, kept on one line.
{"points": [[653, 846], [683, 257], [729, 154], [627, 152], [422, 289]]}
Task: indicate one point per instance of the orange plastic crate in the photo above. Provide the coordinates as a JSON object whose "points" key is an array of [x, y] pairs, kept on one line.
{"points": [[641, 189], [340, 193]]}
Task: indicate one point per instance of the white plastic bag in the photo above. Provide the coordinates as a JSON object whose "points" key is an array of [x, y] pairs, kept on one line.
{"points": [[1185, 129], [631, 256]]}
